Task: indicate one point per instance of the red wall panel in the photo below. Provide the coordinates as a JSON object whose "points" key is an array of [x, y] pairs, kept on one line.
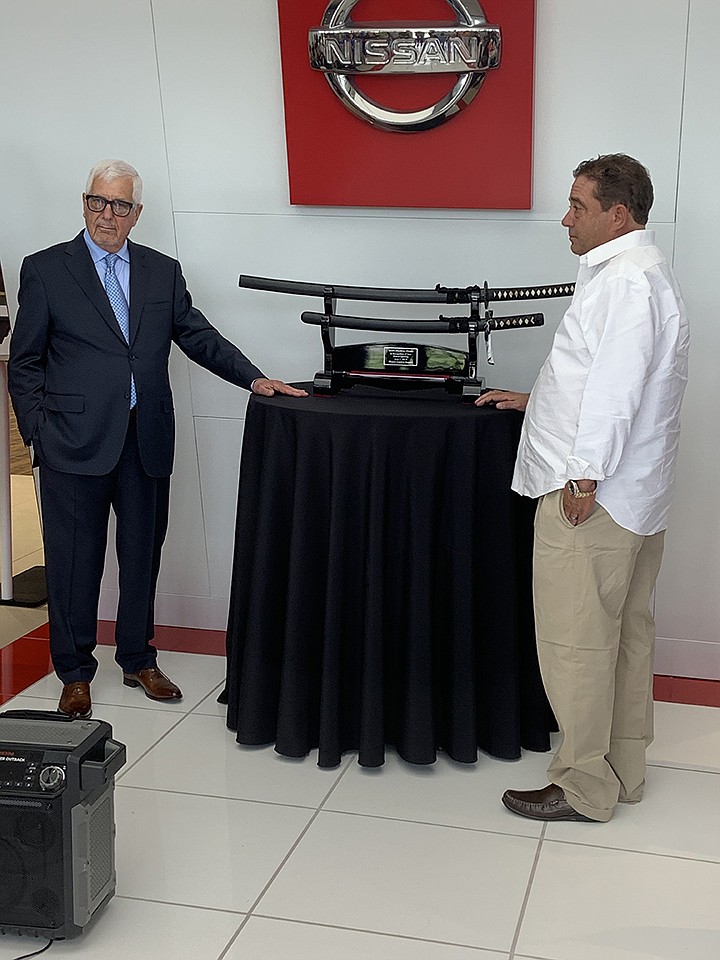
{"points": [[481, 158]]}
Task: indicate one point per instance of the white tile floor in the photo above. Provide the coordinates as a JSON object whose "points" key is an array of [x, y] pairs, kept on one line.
{"points": [[235, 853]]}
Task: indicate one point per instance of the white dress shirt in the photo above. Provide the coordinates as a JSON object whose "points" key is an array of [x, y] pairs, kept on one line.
{"points": [[606, 404]]}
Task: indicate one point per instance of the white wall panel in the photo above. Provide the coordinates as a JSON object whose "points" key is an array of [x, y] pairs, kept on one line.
{"points": [[222, 96], [184, 569], [219, 443], [609, 78], [688, 594], [77, 83]]}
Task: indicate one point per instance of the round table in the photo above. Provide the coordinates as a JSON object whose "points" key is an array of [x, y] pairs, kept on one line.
{"points": [[381, 589]]}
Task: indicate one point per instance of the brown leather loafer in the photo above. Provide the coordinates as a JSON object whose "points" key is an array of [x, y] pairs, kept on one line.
{"points": [[155, 684], [546, 804], [75, 700]]}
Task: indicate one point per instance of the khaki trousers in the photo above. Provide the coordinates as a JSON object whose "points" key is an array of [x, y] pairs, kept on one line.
{"points": [[596, 635]]}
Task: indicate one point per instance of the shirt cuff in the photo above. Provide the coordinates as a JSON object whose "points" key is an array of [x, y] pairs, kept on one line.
{"points": [[579, 469]]}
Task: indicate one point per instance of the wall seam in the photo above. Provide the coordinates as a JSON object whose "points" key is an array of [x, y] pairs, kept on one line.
{"points": [[177, 256], [680, 137]]}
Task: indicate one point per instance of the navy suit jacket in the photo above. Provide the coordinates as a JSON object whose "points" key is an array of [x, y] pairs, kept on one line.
{"points": [[69, 369]]}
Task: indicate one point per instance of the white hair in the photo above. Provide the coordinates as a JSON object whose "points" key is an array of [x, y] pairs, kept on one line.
{"points": [[107, 170]]}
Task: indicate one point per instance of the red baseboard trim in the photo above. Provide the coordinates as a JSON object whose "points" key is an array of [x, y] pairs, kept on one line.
{"points": [[27, 660], [179, 639], [699, 693]]}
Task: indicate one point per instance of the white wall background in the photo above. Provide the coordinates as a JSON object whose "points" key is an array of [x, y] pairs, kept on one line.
{"points": [[189, 91]]}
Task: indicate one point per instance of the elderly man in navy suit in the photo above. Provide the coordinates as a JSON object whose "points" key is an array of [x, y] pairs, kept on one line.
{"points": [[89, 382]]}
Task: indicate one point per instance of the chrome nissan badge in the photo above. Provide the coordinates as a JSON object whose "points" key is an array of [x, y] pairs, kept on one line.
{"points": [[468, 47]]}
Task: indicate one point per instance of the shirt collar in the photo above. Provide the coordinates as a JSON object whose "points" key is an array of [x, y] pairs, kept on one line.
{"points": [[97, 253], [606, 251]]}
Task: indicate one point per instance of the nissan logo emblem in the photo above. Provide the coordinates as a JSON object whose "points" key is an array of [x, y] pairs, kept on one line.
{"points": [[342, 49]]}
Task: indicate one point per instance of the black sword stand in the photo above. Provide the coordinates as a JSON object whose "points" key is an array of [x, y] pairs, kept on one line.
{"points": [[403, 366]]}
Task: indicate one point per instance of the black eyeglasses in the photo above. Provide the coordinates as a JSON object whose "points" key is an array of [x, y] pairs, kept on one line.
{"points": [[121, 208]]}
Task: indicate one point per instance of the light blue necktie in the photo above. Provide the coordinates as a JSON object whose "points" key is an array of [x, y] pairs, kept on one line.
{"points": [[120, 309]]}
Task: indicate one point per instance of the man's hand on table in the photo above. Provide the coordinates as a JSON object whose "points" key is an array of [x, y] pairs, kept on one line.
{"points": [[503, 400], [268, 388]]}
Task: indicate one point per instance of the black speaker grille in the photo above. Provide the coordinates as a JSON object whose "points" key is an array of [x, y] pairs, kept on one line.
{"points": [[13, 881], [34, 830], [31, 865], [46, 902]]}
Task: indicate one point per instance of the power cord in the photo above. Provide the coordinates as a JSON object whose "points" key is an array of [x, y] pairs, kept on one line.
{"points": [[36, 953]]}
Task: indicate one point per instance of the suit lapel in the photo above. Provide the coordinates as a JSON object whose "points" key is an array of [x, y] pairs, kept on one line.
{"points": [[138, 286], [81, 266]]}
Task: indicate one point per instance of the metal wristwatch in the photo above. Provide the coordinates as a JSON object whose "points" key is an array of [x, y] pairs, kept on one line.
{"points": [[577, 493]]}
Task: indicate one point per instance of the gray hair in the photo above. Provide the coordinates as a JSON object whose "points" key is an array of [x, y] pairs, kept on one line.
{"points": [[107, 170]]}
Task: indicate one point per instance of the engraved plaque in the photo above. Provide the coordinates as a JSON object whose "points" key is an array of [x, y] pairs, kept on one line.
{"points": [[401, 356]]}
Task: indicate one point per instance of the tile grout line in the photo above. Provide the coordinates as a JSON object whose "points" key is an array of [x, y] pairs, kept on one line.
{"points": [[526, 898], [152, 746], [207, 697], [692, 769], [390, 935], [179, 903], [381, 933], [174, 727], [147, 708], [641, 853], [216, 796], [432, 823], [531, 956], [285, 859]]}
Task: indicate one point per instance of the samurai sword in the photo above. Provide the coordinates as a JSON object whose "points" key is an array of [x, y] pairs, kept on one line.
{"points": [[439, 294], [441, 325]]}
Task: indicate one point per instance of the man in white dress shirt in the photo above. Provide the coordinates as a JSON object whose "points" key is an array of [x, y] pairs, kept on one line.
{"points": [[598, 449]]}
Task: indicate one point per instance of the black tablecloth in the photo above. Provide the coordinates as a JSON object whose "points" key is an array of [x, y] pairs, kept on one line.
{"points": [[381, 588]]}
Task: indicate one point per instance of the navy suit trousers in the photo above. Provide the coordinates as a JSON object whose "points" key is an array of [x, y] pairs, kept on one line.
{"points": [[76, 510]]}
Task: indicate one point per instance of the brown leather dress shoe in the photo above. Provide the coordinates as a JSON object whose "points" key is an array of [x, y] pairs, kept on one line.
{"points": [[75, 700], [155, 684], [546, 804]]}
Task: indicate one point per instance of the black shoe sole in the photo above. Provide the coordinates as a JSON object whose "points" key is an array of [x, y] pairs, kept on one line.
{"points": [[75, 716]]}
